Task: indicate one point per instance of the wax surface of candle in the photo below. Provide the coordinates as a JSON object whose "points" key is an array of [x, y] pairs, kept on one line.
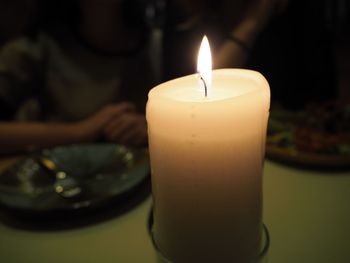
{"points": [[206, 158]]}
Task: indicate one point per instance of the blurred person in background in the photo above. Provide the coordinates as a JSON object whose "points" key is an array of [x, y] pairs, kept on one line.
{"points": [[287, 41], [81, 76], [89, 54]]}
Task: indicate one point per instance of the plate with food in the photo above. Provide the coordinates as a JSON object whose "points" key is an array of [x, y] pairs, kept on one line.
{"points": [[73, 178], [316, 137]]}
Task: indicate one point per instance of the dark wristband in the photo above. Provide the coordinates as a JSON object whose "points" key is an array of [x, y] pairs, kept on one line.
{"points": [[239, 42]]}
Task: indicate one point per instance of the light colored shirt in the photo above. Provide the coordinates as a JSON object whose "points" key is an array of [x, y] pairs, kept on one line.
{"points": [[70, 81]]}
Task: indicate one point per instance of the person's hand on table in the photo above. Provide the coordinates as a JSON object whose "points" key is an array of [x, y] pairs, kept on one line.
{"points": [[129, 128], [92, 128]]}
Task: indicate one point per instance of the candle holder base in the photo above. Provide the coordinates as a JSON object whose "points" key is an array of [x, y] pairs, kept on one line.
{"points": [[262, 257]]}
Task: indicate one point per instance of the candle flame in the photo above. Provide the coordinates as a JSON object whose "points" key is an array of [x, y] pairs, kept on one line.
{"points": [[204, 63]]}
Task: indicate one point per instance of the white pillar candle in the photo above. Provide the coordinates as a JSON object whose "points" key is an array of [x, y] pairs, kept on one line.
{"points": [[206, 160]]}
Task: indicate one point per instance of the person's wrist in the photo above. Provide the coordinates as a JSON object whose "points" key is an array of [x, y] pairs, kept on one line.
{"points": [[246, 47], [81, 133], [246, 31]]}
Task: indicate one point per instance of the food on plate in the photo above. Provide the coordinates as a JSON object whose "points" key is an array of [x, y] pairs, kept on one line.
{"points": [[319, 129]]}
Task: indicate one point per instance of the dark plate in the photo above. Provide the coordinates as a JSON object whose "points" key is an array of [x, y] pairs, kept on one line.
{"points": [[103, 173], [308, 160]]}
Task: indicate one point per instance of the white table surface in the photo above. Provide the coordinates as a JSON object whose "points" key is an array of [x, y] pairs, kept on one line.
{"points": [[307, 213]]}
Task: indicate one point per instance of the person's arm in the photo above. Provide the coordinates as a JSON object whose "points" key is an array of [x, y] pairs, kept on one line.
{"points": [[234, 51], [26, 136]]}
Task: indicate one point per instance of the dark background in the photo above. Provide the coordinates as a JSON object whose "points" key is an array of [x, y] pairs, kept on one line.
{"points": [[306, 51]]}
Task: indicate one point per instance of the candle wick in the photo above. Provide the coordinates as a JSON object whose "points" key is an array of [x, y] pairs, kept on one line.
{"points": [[205, 86]]}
